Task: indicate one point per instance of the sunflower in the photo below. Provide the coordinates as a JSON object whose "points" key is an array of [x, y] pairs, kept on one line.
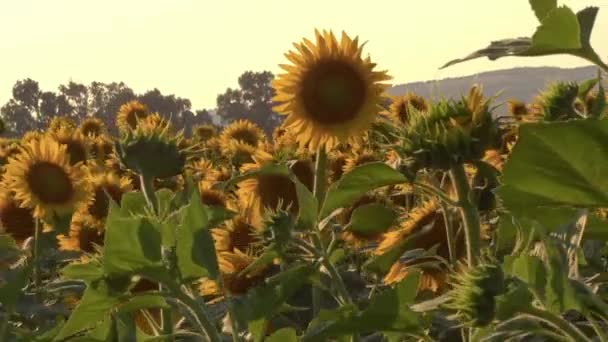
{"points": [[102, 148], [336, 162], [16, 221], [330, 93], [104, 185], [76, 144], [204, 132], [212, 197], [81, 237], [517, 108], [272, 191], [30, 135], [399, 110], [231, 265], [92, 127], [129, 114], [61, 122], [432, 279], [359, 158], [239, 153], [8, 151], [236, 234], [243, 131], [282, 137], [216, 175], [43, 179], [199, 168]]}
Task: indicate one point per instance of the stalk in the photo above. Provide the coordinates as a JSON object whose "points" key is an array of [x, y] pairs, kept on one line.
{"points": [[469, 213], [36, 253], [204, 323], [147, 187], [319, 192]]}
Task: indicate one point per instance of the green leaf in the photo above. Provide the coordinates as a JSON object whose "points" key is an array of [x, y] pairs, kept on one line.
{"points": [[9, 248], [133, 203], [586, 86], [529, 269], [14, 280], [516, 299], [308, 206], [542, 7], [263, 302], [268, 169], [388, 312], [559, 32], [372, 219], [87, 272], [144, 301], [599, 105], [267, 258], [94, 307], [586, 20], [283, 335], [566, 177], [195, 249], [132, 245], [356, 183], [560, 296]]}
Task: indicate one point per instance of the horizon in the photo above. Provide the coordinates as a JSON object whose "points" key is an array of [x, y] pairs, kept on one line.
{"points": [[169, 53]]}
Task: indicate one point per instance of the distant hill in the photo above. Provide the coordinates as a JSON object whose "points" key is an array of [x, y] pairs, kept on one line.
{"points": [[518, 83]]}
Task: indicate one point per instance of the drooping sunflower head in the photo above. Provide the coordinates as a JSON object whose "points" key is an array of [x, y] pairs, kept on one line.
{"points": [[61, 122], [557, 102], [212, 197], [243, 131], [77, 146], [102, 148], [43, 179], [16, 221], [401, 106], [92, 127], [104, 186], [474, 292], [204, 132], [153, 148], [330, 93], [129, 114]]}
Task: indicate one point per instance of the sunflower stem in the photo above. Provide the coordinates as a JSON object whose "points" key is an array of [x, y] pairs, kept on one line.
{"points": [[36, 255], [469, 213], [147, 187], [319, 192], [205, 324]]}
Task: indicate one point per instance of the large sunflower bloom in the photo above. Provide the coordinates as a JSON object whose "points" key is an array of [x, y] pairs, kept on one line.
{"points": [[77, 146], [237, 233], [330, 93], [81, 237], [43, 179]]}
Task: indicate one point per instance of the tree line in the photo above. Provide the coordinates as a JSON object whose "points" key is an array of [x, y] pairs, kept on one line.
{"points": [[32, 108]]}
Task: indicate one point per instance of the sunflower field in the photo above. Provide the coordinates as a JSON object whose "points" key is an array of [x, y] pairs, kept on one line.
{"points": [[362, 218]]}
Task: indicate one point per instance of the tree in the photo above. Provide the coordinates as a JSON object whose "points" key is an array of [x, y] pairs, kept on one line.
{"points": [[252, 101]]}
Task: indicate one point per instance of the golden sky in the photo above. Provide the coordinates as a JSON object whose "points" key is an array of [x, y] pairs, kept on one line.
{"points": [[198, 48]]}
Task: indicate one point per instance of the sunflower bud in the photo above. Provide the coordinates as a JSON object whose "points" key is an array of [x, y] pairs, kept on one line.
{"points": [[449, 133], [558, 101], [152, 149], [474, 293]]}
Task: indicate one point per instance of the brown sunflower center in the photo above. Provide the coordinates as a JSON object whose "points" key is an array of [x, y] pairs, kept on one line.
{"points": [[241, 236], [99, 208], [50, 183], [213, 198], [88, 238], [246, 136], [91, 128], [76, 150], [333, 92], [275, 189], [133, 116]]}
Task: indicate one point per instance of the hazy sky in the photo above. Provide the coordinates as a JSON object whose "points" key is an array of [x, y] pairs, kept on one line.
{"points": [[198, 48]]}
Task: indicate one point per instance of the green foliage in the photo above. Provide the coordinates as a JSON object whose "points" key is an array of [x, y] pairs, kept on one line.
{"points": [[372, 219], [356, 183]]}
